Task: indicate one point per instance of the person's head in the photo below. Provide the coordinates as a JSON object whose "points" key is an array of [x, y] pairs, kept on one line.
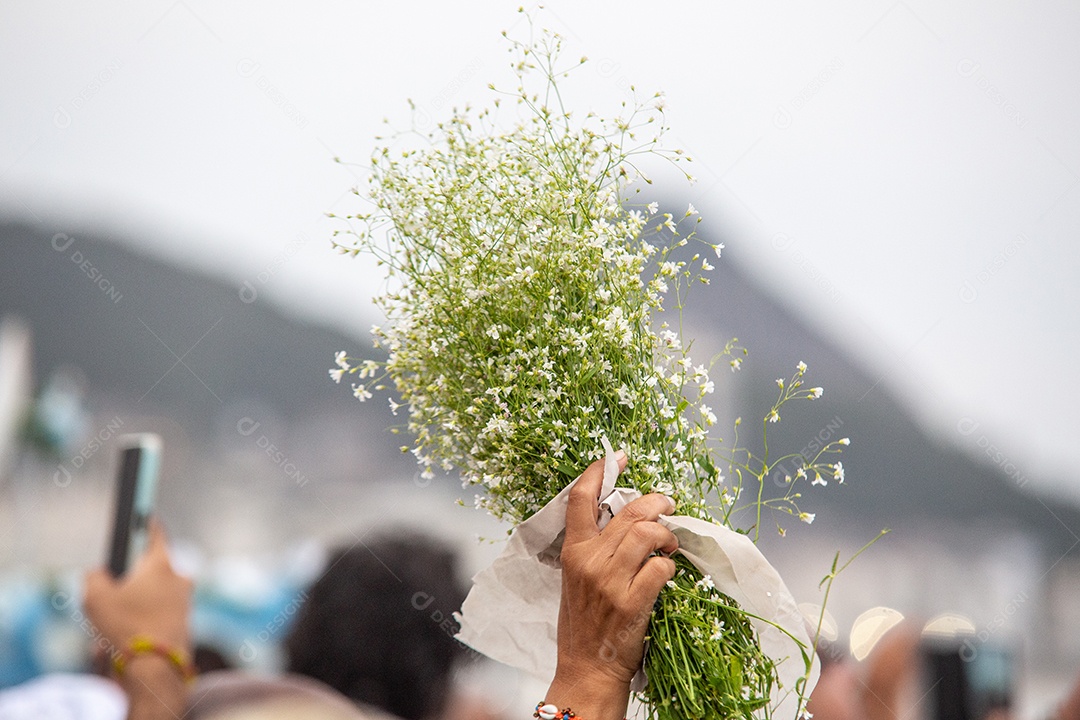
{"points": [[377, 625]]}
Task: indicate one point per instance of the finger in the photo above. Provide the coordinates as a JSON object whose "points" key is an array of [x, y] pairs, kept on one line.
{"points": [[650, 579], [156, 553], [645, 508], [158, 541], [583, 503], [641, 541]]}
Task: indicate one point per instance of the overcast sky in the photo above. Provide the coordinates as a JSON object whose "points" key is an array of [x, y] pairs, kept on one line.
{"points": [[906, 173]]}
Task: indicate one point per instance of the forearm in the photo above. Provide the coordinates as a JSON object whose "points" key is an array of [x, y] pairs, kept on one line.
{"points": [[155, 690]]}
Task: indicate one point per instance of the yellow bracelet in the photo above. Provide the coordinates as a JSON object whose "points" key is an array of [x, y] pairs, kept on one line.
{"points": [[143, 645]]}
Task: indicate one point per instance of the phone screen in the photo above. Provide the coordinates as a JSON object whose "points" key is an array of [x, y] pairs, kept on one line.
{"points": [[136, 486], [964, 681]]}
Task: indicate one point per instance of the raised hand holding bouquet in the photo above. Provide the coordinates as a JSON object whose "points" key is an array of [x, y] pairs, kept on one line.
{"points": [[525, 331]]}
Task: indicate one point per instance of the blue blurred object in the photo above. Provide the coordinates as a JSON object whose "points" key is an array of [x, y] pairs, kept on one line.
{"points": [[41, 629]]}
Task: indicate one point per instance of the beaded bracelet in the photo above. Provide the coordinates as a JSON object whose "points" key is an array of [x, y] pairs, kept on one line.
{"points": [[550, 712], [142, 645]]}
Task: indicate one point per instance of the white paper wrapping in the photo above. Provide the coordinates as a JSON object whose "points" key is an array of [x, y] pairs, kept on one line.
{"points": [[511, 614]]}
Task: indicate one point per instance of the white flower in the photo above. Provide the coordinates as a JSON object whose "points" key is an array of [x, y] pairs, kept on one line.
{"points": [[360, 393], [707, 414], [336, 374], [707, 387], [807, 517], [653, 208], [341, 360], [718, 247], [736, 363], [816, 393], [780, 383], [818, 480], [690, 210], [705, 265], [844, 441], [801, 367], [493, 332], [838, 472], [773, 416], [393, 406]]}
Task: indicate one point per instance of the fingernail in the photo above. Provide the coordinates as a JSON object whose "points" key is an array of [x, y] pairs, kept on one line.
{"points": [[620, 455], [671, 500]]}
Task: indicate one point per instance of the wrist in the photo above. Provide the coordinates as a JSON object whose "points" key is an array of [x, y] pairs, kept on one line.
{"points": [[591, 694], [154, 687]]}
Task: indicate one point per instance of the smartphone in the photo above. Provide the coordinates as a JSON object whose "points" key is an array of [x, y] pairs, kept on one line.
{"points": [[965, 679], [136, 486]]}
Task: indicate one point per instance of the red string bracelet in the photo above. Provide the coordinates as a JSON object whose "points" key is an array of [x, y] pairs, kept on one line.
{"points": [[550, 712]]}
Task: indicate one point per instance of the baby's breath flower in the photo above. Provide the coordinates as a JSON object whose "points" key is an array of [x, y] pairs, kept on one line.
{"points": [[523, 297], [838, 471], [807, 517]]}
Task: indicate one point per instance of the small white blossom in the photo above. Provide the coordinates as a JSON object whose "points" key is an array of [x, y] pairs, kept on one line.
{"points": [[838, 472], [336, 374], [844, 441], [717, 248], [691, 210], [341, 360], [780, 383], [807, 517], [361, 393], [653, 208]]}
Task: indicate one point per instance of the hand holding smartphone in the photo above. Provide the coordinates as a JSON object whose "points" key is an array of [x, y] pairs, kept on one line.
{"points": [[136, 487]]}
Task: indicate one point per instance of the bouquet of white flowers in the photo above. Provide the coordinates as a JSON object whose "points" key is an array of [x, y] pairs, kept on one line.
{"points": [[525, 322]]}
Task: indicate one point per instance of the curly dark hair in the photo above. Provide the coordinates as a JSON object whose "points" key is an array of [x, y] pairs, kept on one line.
{"points": [[377, 626]]}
